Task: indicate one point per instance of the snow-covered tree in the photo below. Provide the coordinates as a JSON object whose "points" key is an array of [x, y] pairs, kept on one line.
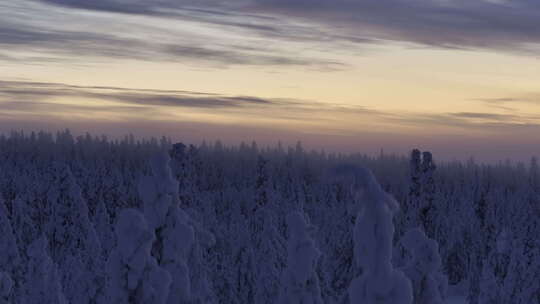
{"points": [[534, 174], [133, 274], [521, 284], [409, 216], [267, 247], [490, 285], [103, 228], [24, 227], [159, 191], [428, 209], [495, 270], [74, 244], [42, 280], [175, 232], [379, 282], [335, 237], [202, 290], [174, 238], [416, 174], [232, 256], [11, 261], [262, 184], [185, 166], [178, 238], [9, 256], [6, 286], [300, 283], [424, 268]]}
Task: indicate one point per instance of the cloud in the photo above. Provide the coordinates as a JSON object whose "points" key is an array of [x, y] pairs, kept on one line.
{"points": [[27, 97], [28, 92], [499, 100], [110, 46], [510, 104], [486, 116], [132, 7], [177, 100], [510, 26], [235, 57], [485, 124], [32, 31], [39, 97], [49, 107], [444, 24], [29, 38]]}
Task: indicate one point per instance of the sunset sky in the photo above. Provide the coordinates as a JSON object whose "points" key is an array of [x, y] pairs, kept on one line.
{"points": [[458, 77]]}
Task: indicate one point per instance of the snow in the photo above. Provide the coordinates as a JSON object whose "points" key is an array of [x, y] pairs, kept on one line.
{"points": [[373, 233], [456, 294], [44, 282], [300, 282], [89, 220], [132, 272], [6, 285], [423, 269], [179, 238], [456, 300], [9, 257]]}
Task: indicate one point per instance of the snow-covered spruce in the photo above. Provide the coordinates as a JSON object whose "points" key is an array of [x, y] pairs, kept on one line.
{"points": [[174, 238], [415, 189], [379, 282], [521, 284], [185, 166], [267, 247], [25, 229], [9, 253], [411, 215], [103, 228], [300, 283], [335, 229], [133, 274], [73, 242], [6, 285], [234, 283], [42, 282], [428, 209], [429, 284], [175, 245], [489, 285], [495, 270]]}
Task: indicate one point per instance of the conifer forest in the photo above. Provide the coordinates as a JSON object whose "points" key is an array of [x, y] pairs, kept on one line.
{"points": [[92, 220]]}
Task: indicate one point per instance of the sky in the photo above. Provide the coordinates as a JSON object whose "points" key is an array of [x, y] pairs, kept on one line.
{"points": [[459, 78]]}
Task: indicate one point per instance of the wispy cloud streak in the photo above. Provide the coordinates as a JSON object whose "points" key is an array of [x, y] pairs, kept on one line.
{"points": [[510, 25], [39, 97], [177, 36]]}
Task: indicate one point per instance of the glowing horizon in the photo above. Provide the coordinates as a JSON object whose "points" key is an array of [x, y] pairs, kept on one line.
{"points": [[464, 85]]}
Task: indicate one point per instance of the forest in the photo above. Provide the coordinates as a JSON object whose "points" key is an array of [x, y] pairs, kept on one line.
{"points": [[91, 220]]}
